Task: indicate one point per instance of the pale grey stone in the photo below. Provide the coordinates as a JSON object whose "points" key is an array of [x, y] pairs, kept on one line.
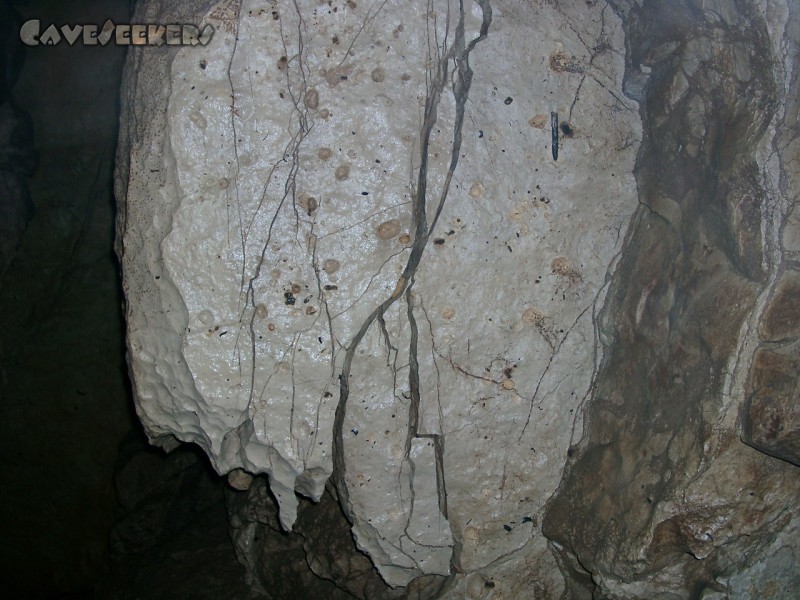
{"points": [[295, 312]]}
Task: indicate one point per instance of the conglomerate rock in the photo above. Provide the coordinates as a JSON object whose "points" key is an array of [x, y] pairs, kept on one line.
{"points": [[401, 246]]}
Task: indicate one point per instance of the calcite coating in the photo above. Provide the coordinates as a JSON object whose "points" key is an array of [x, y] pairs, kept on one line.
{"points": [[350, 253]]}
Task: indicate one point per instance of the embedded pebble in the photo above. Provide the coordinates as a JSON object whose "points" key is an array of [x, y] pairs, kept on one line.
{"points": [[331, 265], [311, 99], [532, 316], [342, 172], [388, 229], [378, 74], [476, 190]]}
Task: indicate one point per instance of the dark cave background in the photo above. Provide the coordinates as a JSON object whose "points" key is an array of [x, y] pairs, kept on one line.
{"points": [[87, 509]]}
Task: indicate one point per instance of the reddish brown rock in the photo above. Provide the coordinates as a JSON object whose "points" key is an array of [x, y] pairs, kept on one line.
{"points": [[771, 414], [782, 318]]}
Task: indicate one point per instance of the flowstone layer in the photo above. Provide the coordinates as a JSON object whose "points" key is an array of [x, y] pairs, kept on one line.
{"points": [[346, 237], [401, 246]]}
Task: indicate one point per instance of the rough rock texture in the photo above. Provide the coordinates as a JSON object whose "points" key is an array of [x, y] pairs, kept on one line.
{"points": [[348, 251], [322, 559], [661, 497]]}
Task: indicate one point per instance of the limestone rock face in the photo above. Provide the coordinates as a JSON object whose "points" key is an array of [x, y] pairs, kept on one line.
{"points": [[402, 247], [700, 325]]}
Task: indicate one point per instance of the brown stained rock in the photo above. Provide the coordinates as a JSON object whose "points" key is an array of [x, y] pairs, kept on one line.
{"points": [[782, 318], [561, 62], [771, 414], [672, 319]]}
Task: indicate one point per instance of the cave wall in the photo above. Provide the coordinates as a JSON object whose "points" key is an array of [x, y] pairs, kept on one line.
{"points": [[352, 254], [64, 396], [700, 322]]}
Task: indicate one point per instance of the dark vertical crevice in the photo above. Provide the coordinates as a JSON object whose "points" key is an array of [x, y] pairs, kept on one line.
{"points": [[458, 53]]}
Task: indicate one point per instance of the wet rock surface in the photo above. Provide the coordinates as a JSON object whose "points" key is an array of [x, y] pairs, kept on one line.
{"points": [[355, 271], [770, 420], [661, 496]]}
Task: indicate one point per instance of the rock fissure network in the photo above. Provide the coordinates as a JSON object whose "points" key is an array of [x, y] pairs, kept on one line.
{"points": [[348, 254]]}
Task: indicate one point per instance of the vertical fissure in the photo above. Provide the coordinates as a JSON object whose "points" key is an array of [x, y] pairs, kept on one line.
{"points": [[459, 53]]}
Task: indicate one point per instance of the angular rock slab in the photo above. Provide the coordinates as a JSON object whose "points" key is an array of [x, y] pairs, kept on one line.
{"points": [[771, 414], [346, 243]]}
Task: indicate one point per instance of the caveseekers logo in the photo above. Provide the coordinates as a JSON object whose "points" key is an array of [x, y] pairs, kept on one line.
{"points": [[31, 34]]}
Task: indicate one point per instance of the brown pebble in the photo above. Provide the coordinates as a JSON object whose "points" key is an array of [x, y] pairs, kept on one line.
{"points": [[311, 99], [342, 172], [331, 265], [388, 229], [532, 316], [538, 121]]}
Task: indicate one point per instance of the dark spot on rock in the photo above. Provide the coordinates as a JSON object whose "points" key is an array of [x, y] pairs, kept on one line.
{"points": [[508, 100], [566, 130], [378, 74], [311, 205]]}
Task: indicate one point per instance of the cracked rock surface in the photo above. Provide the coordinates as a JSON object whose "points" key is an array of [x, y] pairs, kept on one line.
{"points": [[700, 325], [350, 255]]}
